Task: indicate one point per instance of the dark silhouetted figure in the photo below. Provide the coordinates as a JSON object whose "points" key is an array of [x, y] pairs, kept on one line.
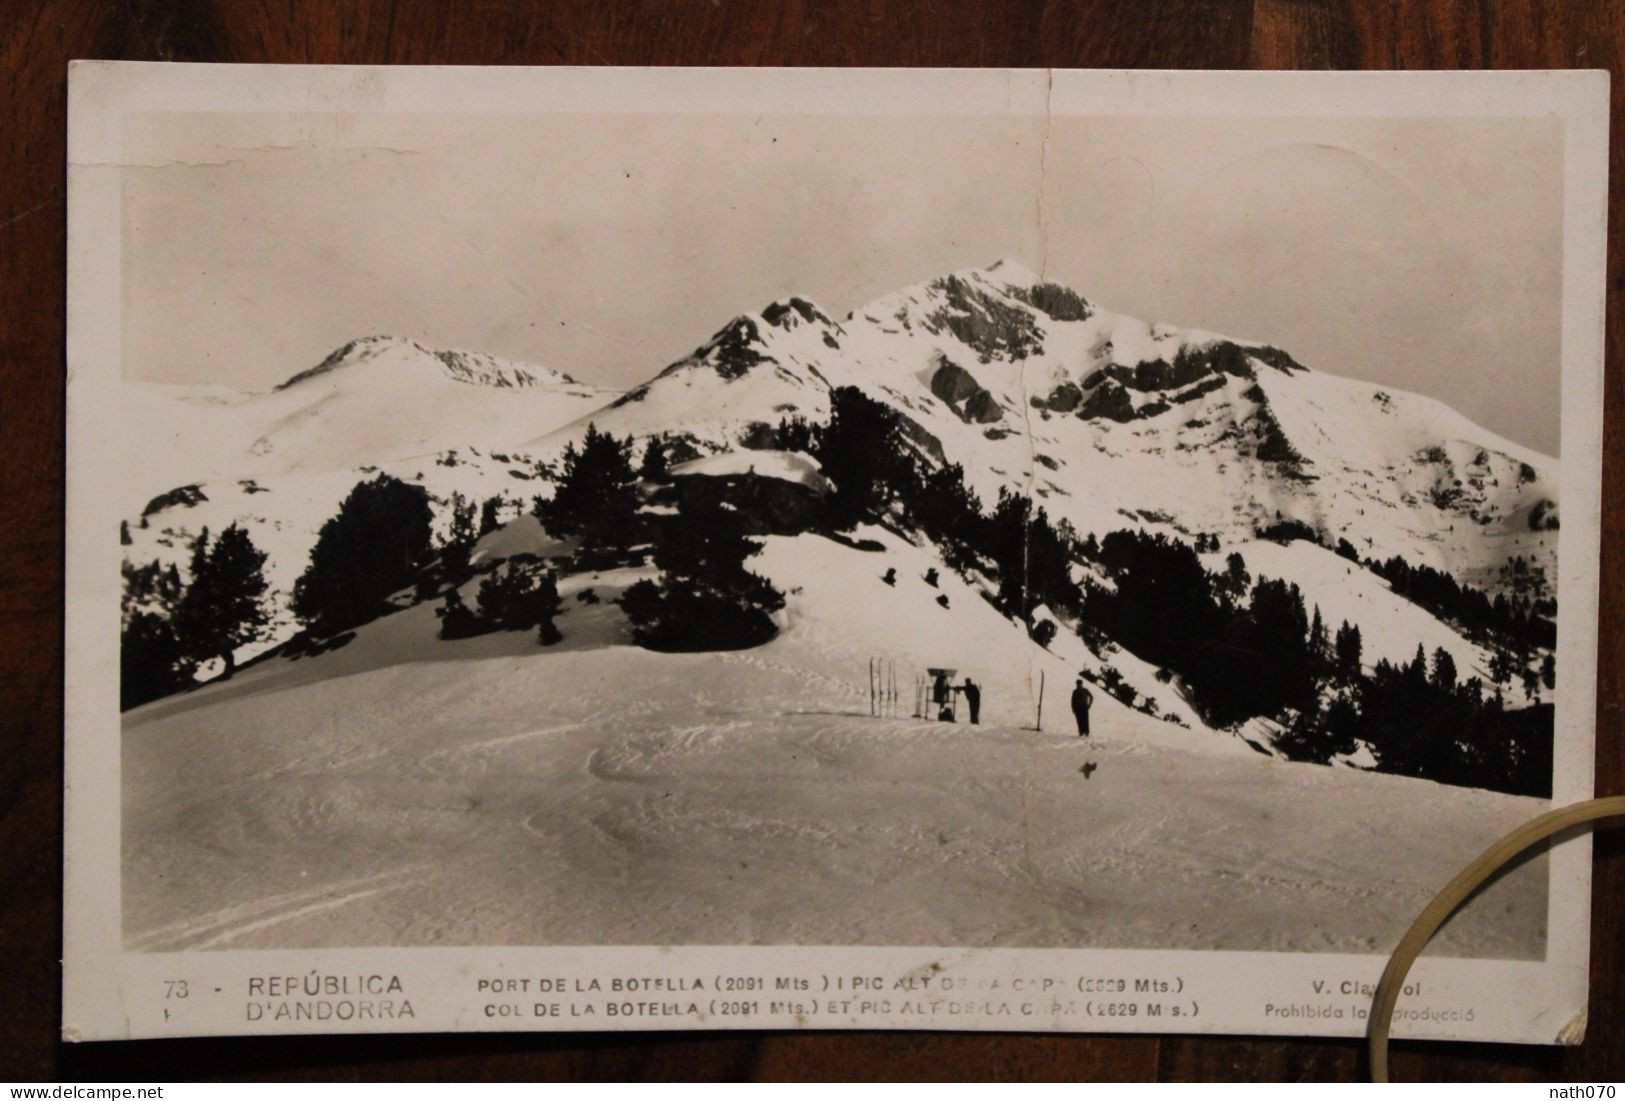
{"points": [[891, 575], [973, 700], [1088, 770], [1081, 699], [943, 600], [931, 577], [942, 694]]}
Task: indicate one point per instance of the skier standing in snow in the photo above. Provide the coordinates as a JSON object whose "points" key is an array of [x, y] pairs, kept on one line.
{"points": [[973, 699], [1081, 700]]}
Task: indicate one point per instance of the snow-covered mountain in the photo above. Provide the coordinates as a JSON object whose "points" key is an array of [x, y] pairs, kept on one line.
{"points": [[371, 402], [1105, 420], [1109, 421]]}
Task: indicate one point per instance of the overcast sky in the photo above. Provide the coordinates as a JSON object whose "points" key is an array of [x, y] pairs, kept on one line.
{"points": [[1421, 254]]}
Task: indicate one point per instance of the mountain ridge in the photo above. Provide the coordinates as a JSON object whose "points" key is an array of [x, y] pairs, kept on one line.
{"points": [[1219, 434], [1105, 421], [473, 368]]}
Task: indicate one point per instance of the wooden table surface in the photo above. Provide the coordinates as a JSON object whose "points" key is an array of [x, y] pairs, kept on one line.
{"points": [[39, 37]]}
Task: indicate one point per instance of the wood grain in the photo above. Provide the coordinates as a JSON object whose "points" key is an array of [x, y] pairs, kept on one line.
{"points": [[38, 37]]}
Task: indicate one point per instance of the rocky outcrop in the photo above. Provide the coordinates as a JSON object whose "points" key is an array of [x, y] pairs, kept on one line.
{"points": [[959, 389], [982, 408]]}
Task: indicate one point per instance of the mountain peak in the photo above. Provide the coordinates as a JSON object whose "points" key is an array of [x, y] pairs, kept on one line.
{"points": [[401, 353], [1008, 271], [788, 313]]}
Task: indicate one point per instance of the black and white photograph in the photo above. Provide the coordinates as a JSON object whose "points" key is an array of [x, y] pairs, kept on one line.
{"points": [[844, 520]]}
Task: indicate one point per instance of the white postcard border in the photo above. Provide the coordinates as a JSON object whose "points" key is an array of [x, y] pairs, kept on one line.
{"points": [[109, 993]]}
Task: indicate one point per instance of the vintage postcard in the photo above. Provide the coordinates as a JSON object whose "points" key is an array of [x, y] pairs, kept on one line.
{"points": [[687, 549]]}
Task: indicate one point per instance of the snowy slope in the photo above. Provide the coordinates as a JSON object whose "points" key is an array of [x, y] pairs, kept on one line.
{"points": [[594, 792]]}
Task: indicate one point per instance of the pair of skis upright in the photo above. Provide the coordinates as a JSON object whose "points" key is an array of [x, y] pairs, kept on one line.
{"points": [[882, 688]]}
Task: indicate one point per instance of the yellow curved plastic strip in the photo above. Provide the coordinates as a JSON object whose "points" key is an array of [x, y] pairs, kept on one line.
{"points": [[1456, 891]]}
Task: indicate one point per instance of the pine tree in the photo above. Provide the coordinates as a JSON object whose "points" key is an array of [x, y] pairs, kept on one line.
{"points": [[1348, 648], [460, 539], [596, 498], [456, 618], [1320, 646], [1444, 670], [152, 661], [655, 466], [491, 515], [862, 452], [795, 434], [1236, 577], [1502, 667], [1416, 673], [519, 595], [705, 599], [223, 607]]}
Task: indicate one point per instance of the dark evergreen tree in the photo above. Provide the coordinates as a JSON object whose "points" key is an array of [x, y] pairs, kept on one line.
{"points": [[1320, 643], [1236, 579], [519, 595], [1319, 734], [655, 466], [596, 499], [223, 607], [862, 451], [1033, 559], [456, 619], [460, 539], [1278, 631], [1502, 667], [1347, 648], [373, 547], [795, 434], [152, 661], [705, 598], [491, 515], [1444, 670]]}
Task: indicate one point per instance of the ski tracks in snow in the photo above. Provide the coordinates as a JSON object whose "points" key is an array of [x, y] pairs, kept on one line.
{"points": [[476, 756], [220, 928]]}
